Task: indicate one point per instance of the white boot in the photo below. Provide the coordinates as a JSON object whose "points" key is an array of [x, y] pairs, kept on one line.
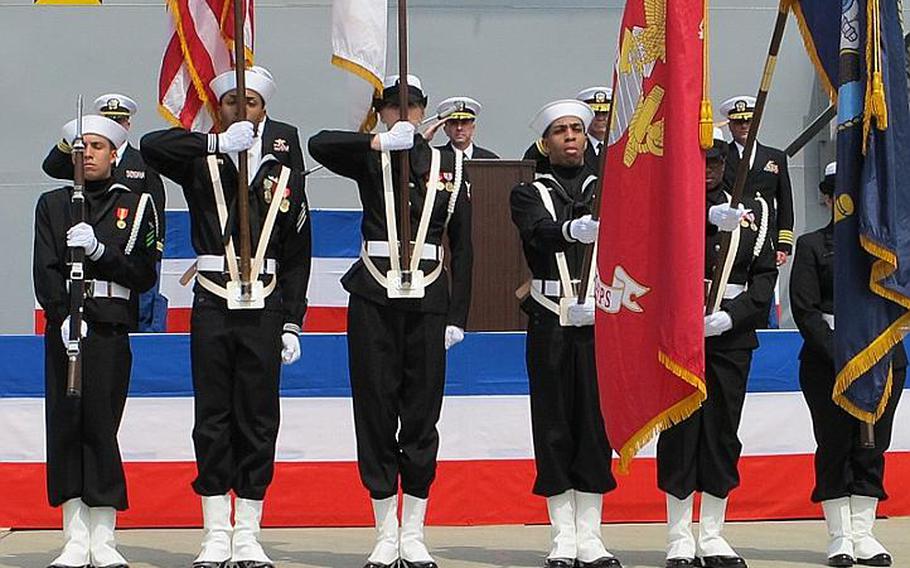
{"points": [[680, 540], [588, 535], [216, 538], [413, 550], [840, 533], [385, 513], [711, 525], [75, 536], [245, 545], [102, 521], [868, 550], [562, 526]]}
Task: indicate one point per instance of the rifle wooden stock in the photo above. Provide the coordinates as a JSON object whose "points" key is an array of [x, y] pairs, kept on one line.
{"points": [[77, 260]]}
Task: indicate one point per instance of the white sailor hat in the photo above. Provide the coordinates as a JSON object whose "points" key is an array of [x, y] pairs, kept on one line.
{"points": [[741, 107], [719, 149], [558, 109], [115, 106], [391, 87], [459, 108], [600, 99], [96, 124], [827, 184], [257, 79]]}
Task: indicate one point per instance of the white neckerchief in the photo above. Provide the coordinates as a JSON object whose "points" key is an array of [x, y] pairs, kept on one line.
{"points": [[253, 155], [740, 148]]}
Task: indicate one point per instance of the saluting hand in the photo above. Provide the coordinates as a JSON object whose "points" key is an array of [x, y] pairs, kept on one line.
{"points": [[290, 348], [237, 138]]}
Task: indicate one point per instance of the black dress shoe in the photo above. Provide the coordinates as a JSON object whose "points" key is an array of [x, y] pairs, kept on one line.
{"points": [[840, 560], [211, 564], [409, 564], [883, 559], [680, 563], [723, 562], [394, 564], [65, 566], [559, 563], [605, 562], [253, 564], [113, 566]]}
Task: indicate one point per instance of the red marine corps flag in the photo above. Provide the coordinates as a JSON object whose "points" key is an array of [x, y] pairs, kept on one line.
{"points": [[649, 291]]}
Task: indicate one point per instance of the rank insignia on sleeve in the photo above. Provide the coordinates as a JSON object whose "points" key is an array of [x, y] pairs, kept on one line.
{"points": [[121, 213], [281, 145], [772, 167]]}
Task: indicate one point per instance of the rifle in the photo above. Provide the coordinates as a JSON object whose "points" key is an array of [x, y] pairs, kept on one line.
{"points": [[77, 258]]}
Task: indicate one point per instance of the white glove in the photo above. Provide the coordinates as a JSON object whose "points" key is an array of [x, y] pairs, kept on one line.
{"points": [[290, 348], [584, 229], [581, 315], [238, 137], [400, 137], [82, 235], [454, 336], [718, 323], [726, 218], [65, 330]]}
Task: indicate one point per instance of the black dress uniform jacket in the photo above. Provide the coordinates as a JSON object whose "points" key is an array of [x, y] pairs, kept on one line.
{"points": [[129, 256], [478, 154], [182, 156], [842, 466], [769, 178], [702, 452], [349, 154], [571, 449], [83, 456], [755, 265]]}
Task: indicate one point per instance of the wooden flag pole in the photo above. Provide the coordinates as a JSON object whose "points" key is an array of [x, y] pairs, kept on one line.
{"points": [[243, 188], [404, 171], [718, 281], [595, 205]]}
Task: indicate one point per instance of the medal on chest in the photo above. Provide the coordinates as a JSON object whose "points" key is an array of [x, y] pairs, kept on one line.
{"points": [[121, 213]]}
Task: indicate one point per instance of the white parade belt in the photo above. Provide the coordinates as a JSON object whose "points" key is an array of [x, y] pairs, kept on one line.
{"points": [[731, 291], [104, 289], [216, 263], [550, 287], [380, 249]]}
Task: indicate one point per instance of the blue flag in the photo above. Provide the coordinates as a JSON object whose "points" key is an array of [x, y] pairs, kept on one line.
{"points": [[872, 201], [872, 205]]}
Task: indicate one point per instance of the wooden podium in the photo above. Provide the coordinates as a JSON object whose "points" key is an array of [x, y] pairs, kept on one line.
{"points": [[499, 264]]}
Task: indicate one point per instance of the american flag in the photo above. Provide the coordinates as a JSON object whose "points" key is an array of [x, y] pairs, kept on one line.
{"points": [[200, 47]]}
